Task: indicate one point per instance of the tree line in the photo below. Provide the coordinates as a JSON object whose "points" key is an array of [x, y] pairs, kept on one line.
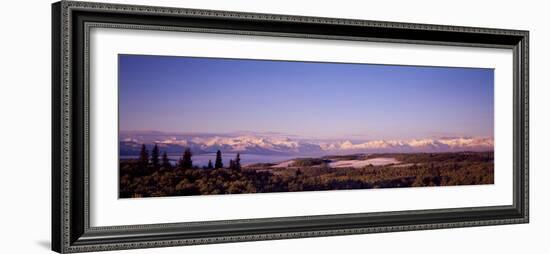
{"points": [[152, 174], [156, 161]]}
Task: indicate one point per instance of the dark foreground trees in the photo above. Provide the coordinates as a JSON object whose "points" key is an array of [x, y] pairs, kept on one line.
{"points": [[155, 156], [420, 170], [165, 161], [219, 163], [143, 157], [209, 166], [186, 162]]}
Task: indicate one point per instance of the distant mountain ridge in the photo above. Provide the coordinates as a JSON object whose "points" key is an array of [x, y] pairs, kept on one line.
{"points": [[281, 144]]}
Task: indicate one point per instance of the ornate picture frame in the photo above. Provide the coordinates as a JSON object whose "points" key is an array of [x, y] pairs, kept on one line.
{"points": [[71, 24]]}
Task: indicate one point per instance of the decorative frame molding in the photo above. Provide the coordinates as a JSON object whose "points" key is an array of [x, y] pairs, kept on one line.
{"points": [[71, 22]]}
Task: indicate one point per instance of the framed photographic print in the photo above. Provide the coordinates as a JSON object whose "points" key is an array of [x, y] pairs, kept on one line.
{"points": [[181, 126]]}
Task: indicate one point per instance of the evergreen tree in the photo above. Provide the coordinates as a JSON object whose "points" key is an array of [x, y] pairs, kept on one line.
{"points": [[180, 162], [231, 164], [209, 165], [165, 161], [143, 156], [188, 163], [155, 156], [218, 163], [185, 161], [237, 162]]}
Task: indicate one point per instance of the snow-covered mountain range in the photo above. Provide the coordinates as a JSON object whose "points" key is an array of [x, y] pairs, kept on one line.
{"points": [[280, 144]]}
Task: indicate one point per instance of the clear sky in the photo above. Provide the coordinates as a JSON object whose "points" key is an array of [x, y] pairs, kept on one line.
{"points": [[319, 100]]}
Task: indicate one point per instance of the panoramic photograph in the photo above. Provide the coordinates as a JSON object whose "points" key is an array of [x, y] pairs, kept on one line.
{"points": [[212, 126]]}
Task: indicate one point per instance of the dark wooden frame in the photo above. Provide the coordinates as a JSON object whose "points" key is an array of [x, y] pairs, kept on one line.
{"points": [[71, 22]]}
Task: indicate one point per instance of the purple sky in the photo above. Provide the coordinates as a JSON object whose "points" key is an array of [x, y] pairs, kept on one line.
{"points": [[320, 100]]}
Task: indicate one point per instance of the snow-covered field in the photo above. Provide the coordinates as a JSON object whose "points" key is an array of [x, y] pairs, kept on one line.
{"points": [[348, 163], [405, 165], [284, 164], [363, 163]]}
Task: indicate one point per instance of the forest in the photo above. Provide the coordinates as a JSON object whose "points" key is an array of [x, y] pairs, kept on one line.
{"points": [[153, 175]]}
